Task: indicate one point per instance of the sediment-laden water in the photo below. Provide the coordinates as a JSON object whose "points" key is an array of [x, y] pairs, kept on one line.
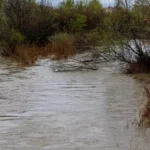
{"points": [[83, 110]]}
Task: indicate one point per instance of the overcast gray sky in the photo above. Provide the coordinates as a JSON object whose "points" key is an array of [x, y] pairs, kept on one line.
{"points": [[104, 2]]}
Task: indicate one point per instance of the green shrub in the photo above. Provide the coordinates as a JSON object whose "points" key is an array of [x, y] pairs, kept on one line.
{"points": [[79, 23]]}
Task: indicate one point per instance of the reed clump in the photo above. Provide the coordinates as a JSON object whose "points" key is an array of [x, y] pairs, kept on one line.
{"points": [[60, 46]]}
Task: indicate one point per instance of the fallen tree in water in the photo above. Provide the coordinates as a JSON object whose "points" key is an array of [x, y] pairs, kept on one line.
{"points": [[79, 62]]}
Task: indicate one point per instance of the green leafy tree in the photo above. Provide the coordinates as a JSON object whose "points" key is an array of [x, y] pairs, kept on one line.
{"points": [[71, 17], [95, 15], [142, 7], [79, 23]]}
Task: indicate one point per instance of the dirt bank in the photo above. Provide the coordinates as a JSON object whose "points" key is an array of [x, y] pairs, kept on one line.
{"points": [[145, 108]]}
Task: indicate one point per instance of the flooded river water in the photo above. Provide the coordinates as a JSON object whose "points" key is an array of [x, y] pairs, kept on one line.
{"points": [[45, 110]]}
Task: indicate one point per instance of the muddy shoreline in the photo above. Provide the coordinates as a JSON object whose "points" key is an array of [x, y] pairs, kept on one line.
{"points": [[144, 112]]}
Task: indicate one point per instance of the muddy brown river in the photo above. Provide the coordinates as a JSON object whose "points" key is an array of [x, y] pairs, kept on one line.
{"points": [[83, 110]]}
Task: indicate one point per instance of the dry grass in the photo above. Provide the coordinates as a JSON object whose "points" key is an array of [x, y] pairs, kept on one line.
{"points": [[61, 46], [28, 54]]}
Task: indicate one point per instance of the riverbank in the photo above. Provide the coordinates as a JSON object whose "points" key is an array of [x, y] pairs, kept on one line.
{"points": [[144, 79], [28, 55]]}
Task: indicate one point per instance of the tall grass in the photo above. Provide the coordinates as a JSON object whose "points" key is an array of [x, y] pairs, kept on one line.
{"points": [[60, 46], [26, 54]]}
